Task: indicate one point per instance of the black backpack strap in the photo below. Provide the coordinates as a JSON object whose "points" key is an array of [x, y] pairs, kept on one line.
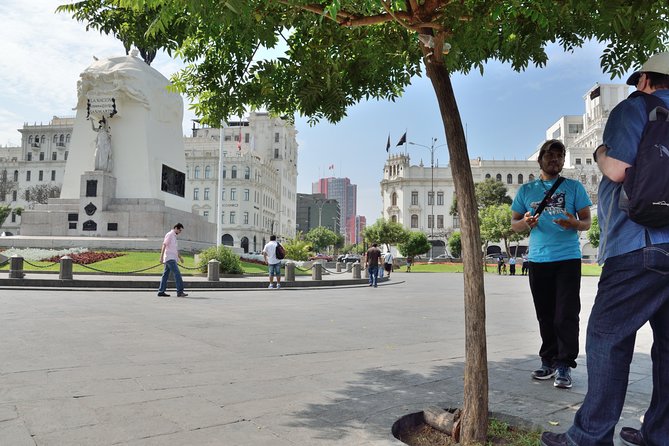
{"points": [[548, 196]]}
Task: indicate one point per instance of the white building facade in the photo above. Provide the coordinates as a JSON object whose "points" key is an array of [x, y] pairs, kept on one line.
{"points": [[421, 199]]}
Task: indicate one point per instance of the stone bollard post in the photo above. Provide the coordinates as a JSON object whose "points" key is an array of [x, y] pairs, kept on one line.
{"points": [[16, 267], [213, 270], [356, 271], [317, 272], [290, 272], [349, 267], [338, 267], [65, 268]]}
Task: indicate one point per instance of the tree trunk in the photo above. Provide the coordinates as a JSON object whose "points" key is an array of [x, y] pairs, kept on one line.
{"points": [[475, 410]]}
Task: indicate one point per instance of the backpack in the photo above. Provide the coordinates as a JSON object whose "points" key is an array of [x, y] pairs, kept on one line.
{"points": [[645, 197], [280, 251]]}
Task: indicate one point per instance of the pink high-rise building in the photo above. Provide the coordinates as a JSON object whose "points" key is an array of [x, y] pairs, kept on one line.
{"points": [[345, 193]]}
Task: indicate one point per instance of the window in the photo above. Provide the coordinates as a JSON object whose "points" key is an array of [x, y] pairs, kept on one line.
{"points": [[233, 195], [222, 216], [55, 139], [414, 221], [227, 138], [205, 213], [393, 218], [225, 171], [588, 161], [456, 222], [276, 137], [196, 193], [440, 198], [14, 194], [67, 138], [27, 175], [27, 195], [234, 172], [41, 156], [207, 172], [247, 173], [575, 128], [247, 138], [499, 177], [233, 216], [509, 179], [430, 221], [16, 175], [66, 153], [41, 175], [578, 161], [440, 221], [29, 156], [53, 175], [223, 194], [557, 133], [246, 218], [30, 139], [54, 156], [520, 178], [414, 198], [14, 217], [196, 173], [206, 193], [247, 194], [393, 199], [531, 177], [276, 153], [430, 198]]}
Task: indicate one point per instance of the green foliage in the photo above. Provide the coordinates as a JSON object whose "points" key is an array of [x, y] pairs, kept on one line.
{"points": [[386, 233], [593, 232], [40, 193], [18, 210], [416, 244], [495, 223], [229, 261], [321, 237], [297, 249], [488, 193], [4, 212], [455, 244]]}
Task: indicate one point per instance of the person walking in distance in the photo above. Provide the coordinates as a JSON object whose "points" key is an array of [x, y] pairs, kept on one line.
{"points": [[633, 288], [388, 263], [169, 255], [555, 259], [273, 263], [372, 259]]}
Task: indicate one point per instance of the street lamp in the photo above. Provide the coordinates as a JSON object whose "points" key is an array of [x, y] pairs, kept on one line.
{"points": [[431, 148]]}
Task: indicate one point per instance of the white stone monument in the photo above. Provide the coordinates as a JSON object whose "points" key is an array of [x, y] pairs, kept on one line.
{"points": [[125, 175]]}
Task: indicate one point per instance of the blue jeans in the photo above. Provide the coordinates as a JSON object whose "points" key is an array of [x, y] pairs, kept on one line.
{"points": [[171, 267], [373, 274], [633, 289]]}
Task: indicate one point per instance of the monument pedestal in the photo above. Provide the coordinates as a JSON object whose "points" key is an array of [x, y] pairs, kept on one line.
{"points": [[98, 190]]}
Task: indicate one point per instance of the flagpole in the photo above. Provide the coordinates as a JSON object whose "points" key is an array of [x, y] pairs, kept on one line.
{"points": [[219, 218]]}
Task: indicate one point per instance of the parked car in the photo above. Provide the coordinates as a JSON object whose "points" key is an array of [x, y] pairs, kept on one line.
{"points": [[349, 258], [445, 257], [325, 257]]}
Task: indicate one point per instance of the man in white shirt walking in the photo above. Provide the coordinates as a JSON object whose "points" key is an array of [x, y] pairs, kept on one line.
{"points": [[169, 255]]}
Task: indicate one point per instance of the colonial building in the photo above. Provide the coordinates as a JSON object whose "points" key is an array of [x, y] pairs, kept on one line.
{"points": [[259, 172], [420, 197]]}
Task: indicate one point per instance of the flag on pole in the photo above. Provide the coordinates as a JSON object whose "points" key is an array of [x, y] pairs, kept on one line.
{"points": [[239, 141], [403, 139], [388, 144], [331, 167]]}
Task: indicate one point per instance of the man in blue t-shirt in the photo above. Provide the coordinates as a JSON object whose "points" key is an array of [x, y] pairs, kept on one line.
{"points": [[554, 260], [633, 288]]}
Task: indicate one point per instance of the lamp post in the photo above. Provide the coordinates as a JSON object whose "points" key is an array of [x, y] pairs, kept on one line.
{"points": [[431, 148]]}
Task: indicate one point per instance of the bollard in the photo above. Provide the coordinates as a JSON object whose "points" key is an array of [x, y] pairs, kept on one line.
{"points": [[290, 272], [338, 267], [365, 272], [16, 267], [349, 267], [65, 268], [356, 271], [317, 272], [213, 270]]}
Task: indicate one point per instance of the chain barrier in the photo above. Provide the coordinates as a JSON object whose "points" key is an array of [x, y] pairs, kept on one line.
{"points": [[40, 266], [117, 272], [5, 262], [188, 267], [334, 272]]}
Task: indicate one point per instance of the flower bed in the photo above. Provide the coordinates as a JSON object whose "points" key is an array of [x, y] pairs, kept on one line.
{"points": [[86, 258]]}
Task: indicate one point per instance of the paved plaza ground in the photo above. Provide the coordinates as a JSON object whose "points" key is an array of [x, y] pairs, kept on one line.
{"points": [[301, 366]]}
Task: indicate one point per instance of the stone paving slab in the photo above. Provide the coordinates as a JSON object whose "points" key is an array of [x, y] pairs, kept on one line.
{"points": [[301, 366]]}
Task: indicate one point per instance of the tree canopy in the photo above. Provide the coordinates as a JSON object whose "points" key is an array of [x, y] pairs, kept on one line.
{"points": [[321, 237], [386, 233], [416, 244]]}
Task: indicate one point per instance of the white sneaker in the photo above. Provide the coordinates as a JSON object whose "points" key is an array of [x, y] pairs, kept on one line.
{"points": [[278, 285], [271, 286]]}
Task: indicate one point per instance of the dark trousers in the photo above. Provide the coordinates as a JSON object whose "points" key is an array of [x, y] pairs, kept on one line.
{"points": [[556, 290]]}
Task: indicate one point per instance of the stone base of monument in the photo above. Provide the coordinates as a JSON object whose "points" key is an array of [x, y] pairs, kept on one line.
{"points": [[98, 220]]}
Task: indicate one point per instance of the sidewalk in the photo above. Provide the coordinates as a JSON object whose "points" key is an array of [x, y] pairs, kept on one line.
{"points": [[301, 366]]}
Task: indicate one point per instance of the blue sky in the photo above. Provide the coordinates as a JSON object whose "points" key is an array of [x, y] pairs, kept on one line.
{"points": [[506, 113]]}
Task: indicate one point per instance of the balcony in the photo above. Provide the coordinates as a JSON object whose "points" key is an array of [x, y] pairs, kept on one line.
{"points": [[60, 144]]}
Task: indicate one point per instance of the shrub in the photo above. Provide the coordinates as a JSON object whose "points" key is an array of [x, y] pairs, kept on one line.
{"points": [[229, 261]]}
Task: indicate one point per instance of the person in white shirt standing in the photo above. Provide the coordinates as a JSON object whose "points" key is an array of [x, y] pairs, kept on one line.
{"points": [[388, 263], [274, 264], [169, 255]]}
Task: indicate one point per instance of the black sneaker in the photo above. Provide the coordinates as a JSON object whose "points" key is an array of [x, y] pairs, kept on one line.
{"points": [[163, 295], [563, 377], [182, 295], [552, 439], [545, 372], [631, 437]]}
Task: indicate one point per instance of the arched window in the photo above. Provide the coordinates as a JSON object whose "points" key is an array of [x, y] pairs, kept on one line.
{"points": [[234, 172], [520, 178], [394, 219], [67, 138], [393, 199], [414, 221], [247, 173], [207, 172], [30, 139], [225, 174], [197, 172], [487, 176], [55, 138], [62, 138], [531, 177], [43, 138], [16, 175], [196, 193], [509, 179], [499, 177]]}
